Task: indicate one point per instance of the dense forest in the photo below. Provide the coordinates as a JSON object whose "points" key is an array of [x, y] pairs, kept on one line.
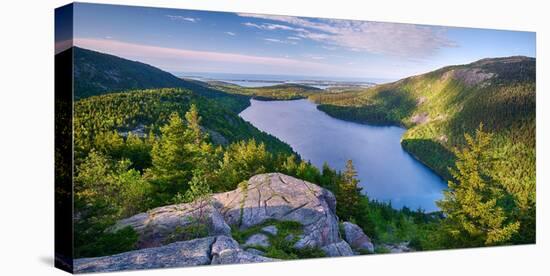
{"points": [[140, 149], [109, 118]]}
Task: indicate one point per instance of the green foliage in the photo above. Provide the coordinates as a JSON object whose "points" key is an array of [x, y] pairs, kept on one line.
{"points": [[103, 182], [109, 243], [100, 120], [241, 161], [172, 162], [196, 228], [348, 194], [475, 203]]}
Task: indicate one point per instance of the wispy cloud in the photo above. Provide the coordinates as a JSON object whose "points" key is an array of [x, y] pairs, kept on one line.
{"points": [[182, 18], [293, 38], [175, 58], [317, 57], [403, 40], [272, 27], [230, 33], [275, 40]]}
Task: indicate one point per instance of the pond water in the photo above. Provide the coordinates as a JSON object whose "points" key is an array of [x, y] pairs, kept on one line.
{"points": [[386, 172]]}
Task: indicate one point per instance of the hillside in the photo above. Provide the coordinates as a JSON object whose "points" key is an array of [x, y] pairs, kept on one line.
{"points": [[439, 107], [141, 111], [98, 73], [286, 91]]}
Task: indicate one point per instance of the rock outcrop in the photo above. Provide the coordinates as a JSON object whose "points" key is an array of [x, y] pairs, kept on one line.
{"points": [[185, 253], [226, 250], [265, 197], [337, 249], [203, 251], [281, 197], [356, 238], [167, 224]]}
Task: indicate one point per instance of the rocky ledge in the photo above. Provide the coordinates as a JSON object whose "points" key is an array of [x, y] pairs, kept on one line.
{"points": [[258, 203]]}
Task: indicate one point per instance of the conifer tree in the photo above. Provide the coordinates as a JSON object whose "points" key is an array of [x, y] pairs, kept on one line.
{"points": [[193, 125], [348, 193], [171, 161], [471, 202]]}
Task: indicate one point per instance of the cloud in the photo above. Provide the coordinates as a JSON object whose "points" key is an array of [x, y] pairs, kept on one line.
{"points": [[271, 27], [230, 33], [293, 38], [182, 18], [175, 59], [317, 57], [275, 40], [402, 40]]}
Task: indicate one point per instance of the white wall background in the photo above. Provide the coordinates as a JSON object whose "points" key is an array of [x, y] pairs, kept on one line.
{"points": [[26, 135]]}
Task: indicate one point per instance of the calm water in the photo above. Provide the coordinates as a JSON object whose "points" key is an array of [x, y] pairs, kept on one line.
{"points": [[385, 170]]}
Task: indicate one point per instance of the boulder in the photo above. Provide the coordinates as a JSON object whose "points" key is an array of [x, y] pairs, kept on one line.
{"points": [[281, 197], [338, 249], [257, 240], [186, 253], [356, 238], [226, 250], [167, 224]]}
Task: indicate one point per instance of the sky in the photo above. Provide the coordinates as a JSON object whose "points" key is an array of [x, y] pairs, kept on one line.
{"points": [[181, 41]]}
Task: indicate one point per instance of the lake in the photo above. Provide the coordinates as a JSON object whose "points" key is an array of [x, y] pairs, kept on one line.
{"points": [[386, 172]]}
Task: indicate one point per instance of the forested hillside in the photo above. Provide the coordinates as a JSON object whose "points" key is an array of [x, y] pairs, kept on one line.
{"points": [[141, 112], [439, 107], [287, 91], [98, 73]]}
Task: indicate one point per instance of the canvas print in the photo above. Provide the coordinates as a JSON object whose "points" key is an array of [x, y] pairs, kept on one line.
{"points": [[187, 137]]}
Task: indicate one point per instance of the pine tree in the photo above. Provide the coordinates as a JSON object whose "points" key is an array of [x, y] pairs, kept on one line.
{"points": [[348, 193], [172, 163], [471, 202], [193, 125]]}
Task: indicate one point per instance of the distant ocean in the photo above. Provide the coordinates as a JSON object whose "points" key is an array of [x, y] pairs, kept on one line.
{"points": [[255, 80]]}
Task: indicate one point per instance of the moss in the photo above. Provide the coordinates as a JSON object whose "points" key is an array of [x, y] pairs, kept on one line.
{"points": [[244, 187], [341, 230], [280, 247], [381, 250], [194, 230]]}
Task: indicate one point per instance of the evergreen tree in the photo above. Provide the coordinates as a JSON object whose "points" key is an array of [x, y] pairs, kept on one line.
{"points": [[348, 194], [472, 203], [241, 161], [172, 163], [329, 177], [193, 125]]}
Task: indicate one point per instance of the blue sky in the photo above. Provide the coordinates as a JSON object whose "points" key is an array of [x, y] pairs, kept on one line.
{"points": [[199, 41]]}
